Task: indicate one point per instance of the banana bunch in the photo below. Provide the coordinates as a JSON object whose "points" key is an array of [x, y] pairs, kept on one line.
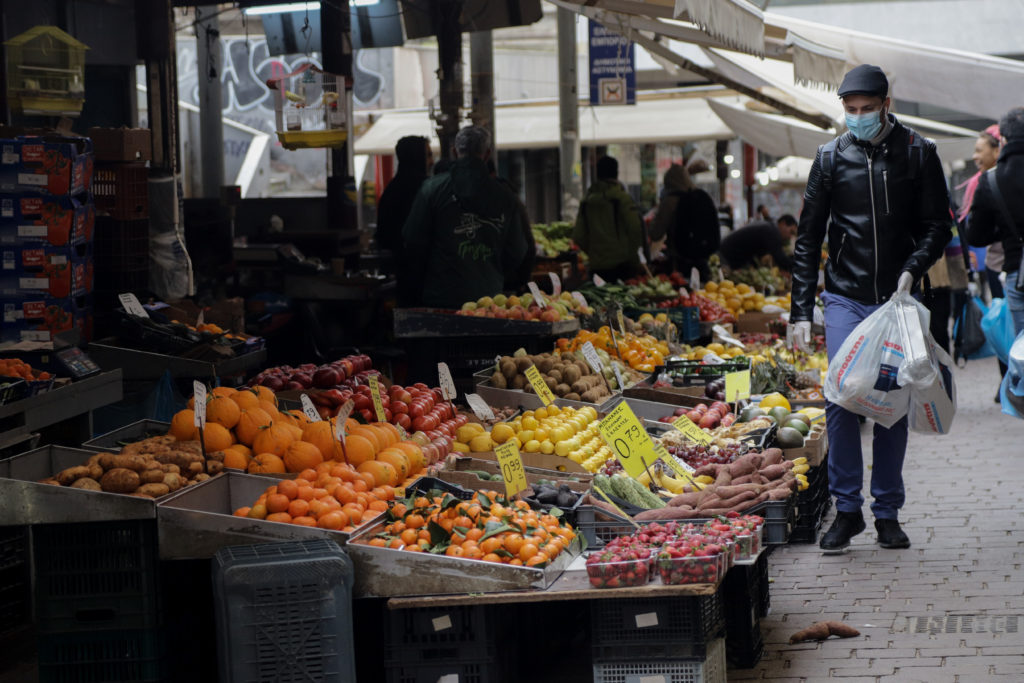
{"points": [[800, 468]]}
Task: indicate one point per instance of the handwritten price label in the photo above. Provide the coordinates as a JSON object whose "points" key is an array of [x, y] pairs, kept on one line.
{"points": [[580, 299], [131, 305], [340, 418], [737, 385], [622, 430], [199, 399], [539, 385], [594, 360], [309, 409], [599, 281], [378, 405], [692, 431], [622, 322], [618, 376], [479, 407], [538, 296], [556, 284], [511, 468], [444, 376]]}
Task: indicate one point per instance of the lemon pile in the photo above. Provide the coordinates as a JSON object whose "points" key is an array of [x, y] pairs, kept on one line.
{"points": [[566, 432]]}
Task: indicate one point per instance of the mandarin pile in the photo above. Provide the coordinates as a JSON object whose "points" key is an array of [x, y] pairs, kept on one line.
{"points": [[486, 527]]}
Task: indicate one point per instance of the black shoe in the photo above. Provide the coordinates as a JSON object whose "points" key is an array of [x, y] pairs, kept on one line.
{"points": [[890, 535], [846, 526]]}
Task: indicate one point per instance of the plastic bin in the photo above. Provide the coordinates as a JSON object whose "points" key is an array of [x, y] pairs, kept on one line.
{"points": [[121, 190], [622, 628], [284, 612], [619, 574], [135, 656], [15, 580], [709, 668], [441, 635], [96, 575], [745, 595], [15, 389], [461, 671]]}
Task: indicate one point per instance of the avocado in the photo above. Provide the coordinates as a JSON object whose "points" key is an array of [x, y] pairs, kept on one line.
{"points": [[497, 477], [749, 413], [779, 413], [800, 416], [789, 438], [798, 425], [486, 476]]}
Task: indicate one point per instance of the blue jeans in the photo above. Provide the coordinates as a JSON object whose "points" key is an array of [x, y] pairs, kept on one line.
{"points": [[845, 460], [1015, 301]]}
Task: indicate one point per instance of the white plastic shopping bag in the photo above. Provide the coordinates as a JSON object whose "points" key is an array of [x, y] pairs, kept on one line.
{"points": [[863, 375], [932, 408]]}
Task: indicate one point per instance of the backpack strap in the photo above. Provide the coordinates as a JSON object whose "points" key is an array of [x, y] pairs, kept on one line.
{"points": [[1004, 209], [915, 153], [828, 162]]}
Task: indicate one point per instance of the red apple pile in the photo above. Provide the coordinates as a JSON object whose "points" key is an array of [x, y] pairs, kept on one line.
{"points": [[349, 371]]}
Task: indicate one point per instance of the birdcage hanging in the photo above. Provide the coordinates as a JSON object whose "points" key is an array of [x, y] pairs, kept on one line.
{"points": [[310, 107], [46, 72]]}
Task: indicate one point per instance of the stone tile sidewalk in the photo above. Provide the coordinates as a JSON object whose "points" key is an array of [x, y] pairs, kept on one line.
{"points": [[950, 609]]}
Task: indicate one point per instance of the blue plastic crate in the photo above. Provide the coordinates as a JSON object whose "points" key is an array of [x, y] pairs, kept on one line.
{"points": [[284, 613]]}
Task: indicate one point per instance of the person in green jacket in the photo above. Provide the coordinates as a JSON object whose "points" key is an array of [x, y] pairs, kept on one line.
{"points": [[462, 237], [608, 226]]}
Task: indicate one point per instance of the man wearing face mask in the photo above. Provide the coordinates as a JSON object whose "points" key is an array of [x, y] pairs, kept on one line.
{"points": [[879, 193]]}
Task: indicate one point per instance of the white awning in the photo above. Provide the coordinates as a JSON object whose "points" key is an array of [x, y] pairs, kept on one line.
{"points": [[777, 135], [536, 126]]}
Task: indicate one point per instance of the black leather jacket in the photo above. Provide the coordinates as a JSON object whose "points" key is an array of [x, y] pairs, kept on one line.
{"points": [[889, 213], [986, 224]]}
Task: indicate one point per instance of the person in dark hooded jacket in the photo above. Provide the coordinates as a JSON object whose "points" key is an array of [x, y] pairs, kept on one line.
{"points": [[463, 237], [688, 218], [414, 162]]}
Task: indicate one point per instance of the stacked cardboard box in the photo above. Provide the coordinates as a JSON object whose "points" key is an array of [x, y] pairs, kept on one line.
{"points": [[47, 218]]}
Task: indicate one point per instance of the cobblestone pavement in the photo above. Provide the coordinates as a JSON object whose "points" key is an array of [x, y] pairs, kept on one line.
{"points": [[950, 609]]}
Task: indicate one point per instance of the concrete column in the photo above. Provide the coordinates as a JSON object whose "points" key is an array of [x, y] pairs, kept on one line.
{"points": [[569, 117], [211, 132], [481, 60]]}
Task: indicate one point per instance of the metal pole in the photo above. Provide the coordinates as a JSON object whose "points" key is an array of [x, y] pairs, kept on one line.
{"points": [[481, 60], [449, 72], [211, 130], [568, 116], [337, 59]]}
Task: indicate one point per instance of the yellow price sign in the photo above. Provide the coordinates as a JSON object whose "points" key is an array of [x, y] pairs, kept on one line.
{"points": [[692, 431], [378, 405], [539, 385], [622, 430], [511, 468], [737, 385]]}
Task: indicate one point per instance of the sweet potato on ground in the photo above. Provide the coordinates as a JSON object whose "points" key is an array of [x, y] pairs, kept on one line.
{"points": [[822, 630]]}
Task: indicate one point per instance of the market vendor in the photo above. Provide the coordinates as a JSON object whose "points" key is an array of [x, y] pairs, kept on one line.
{"points": [[751, 243], [879, 192], [463, 237]]}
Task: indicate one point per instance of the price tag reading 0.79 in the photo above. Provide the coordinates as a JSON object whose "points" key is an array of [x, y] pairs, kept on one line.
{"points": [[624, 433]]}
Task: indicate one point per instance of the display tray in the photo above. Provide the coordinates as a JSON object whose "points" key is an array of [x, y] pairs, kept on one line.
{"points": [[432, 322], [113, 441], [23, 500], [501, 398], [197, 521], [685, 397], [387, 572], [144, 365], [815, 448]]}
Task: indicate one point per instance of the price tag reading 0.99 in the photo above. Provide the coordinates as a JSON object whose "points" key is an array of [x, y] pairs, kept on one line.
{"points": [[512, 471]]}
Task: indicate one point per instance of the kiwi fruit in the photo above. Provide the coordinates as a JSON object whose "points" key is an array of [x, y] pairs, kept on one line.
{"points": [[555, 375], [571, 374], [508, 368], [563, 389], [518, 382], [498, 381], [523, 362]]}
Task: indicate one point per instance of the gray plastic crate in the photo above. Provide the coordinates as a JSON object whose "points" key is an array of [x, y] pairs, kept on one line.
{"points": [[284, 613], [709, 669]]}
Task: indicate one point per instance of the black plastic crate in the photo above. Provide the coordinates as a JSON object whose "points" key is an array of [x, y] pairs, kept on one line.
{"points": [[745, 652], [121, 244], [98, 575], [461, 671], [779, 518], [133, 656], [121, 190], [622, 627], [15, 597], [441, 634], [284, 612], [710, 668], [425, 485]]}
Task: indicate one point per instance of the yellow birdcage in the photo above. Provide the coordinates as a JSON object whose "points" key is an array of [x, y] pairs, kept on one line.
{"points": [[46, 72], [310, 108]]}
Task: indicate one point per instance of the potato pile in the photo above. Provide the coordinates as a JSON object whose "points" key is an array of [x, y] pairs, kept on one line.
{"points": [[149, 469], [566, 375]]}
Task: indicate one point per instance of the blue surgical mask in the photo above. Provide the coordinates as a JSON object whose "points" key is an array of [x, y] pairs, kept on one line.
{"points": [[865, 126]]}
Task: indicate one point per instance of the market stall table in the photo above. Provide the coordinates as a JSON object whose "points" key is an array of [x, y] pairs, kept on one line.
{"points": [[145, 365]]}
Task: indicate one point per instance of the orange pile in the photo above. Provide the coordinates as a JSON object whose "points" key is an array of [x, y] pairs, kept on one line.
{"points": [[484, 528], [15, 367], [330, 496], [642, 353], [258, 438]]}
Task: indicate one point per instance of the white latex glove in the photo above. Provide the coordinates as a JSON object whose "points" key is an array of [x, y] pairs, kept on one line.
{"points": [[905, 283], [798, 335]]}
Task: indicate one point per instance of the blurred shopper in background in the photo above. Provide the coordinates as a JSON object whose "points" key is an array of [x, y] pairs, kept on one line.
{"points": [[687, 218], [751, 243], [414, 162], [608, 226]]}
